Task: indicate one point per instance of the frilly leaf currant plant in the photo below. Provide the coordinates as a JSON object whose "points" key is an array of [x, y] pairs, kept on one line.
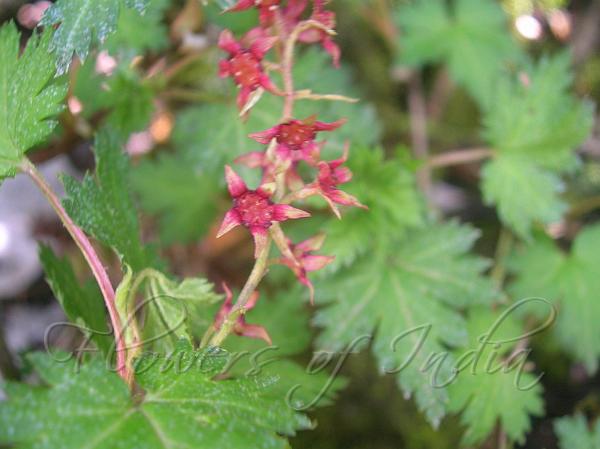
{"points": [[289, 143]]}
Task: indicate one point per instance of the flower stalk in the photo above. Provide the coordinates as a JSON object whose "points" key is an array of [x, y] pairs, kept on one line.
{"points": [[287, 144]]}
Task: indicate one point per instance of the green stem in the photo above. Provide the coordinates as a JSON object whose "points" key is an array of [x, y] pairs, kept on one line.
{"points": [[92, 259], [257, 274]]}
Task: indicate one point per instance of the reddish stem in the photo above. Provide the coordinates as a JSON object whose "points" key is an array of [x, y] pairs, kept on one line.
{"points": [[91, 258]]}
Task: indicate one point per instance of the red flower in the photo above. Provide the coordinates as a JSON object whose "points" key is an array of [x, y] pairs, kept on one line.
{"points": [[241, 328], [254, 210], [305, 262], [331, 174], [292, 16], [314, 35], [244, 65], [266, 9], [296, 138]]}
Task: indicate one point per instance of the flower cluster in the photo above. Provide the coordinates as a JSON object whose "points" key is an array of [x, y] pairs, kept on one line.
{"points": [[287, 146]]}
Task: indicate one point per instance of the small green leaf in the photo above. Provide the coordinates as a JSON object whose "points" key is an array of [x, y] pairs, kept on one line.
{"points": [[28, 98], [103, 206], [183, 407], [574, 433], [83, 22], [571, 282], [83, 305]]}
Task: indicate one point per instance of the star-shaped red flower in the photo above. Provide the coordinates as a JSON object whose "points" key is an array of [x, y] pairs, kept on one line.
{"points": [[240, 328], [296, 138], [244, 64], [254, 210], [305, 262], [331, 174]]}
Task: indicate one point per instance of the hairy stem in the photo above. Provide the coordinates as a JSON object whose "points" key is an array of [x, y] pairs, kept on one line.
{"points": [[92, 259]]}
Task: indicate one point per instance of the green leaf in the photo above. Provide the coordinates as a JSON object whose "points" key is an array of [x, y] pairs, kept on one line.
{"points": [[131, 101], [387, 187], [491, 389], [488, 398], [522, 192], [182, 407], [534, 129], [174, 309], [412, 292], [28, 98], [83, 305], [83, 22], [128, 99], [571, 282], [185, 209], [212, 135], [128, 37], [574, 433], [103, 206], [471, 38]]}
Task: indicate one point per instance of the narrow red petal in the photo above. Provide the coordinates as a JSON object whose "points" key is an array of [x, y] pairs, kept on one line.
{"points": [[224, 69], [312, 244], [283, 212], [235, 183], [322, 126], [343, 175], [231, 220], [345, 198], [228, 43], [266, 82], [266, 136], [262, 45], [252, 301], [333, 49], [243, 97], [295, 9], [316, 263], [254, 331]]}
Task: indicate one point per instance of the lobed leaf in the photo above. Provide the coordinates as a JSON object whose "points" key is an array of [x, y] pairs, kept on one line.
{"points": [[571, 282], [182, 407], [412, 292], [82, 23], [28, 97], [103, 206]]}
